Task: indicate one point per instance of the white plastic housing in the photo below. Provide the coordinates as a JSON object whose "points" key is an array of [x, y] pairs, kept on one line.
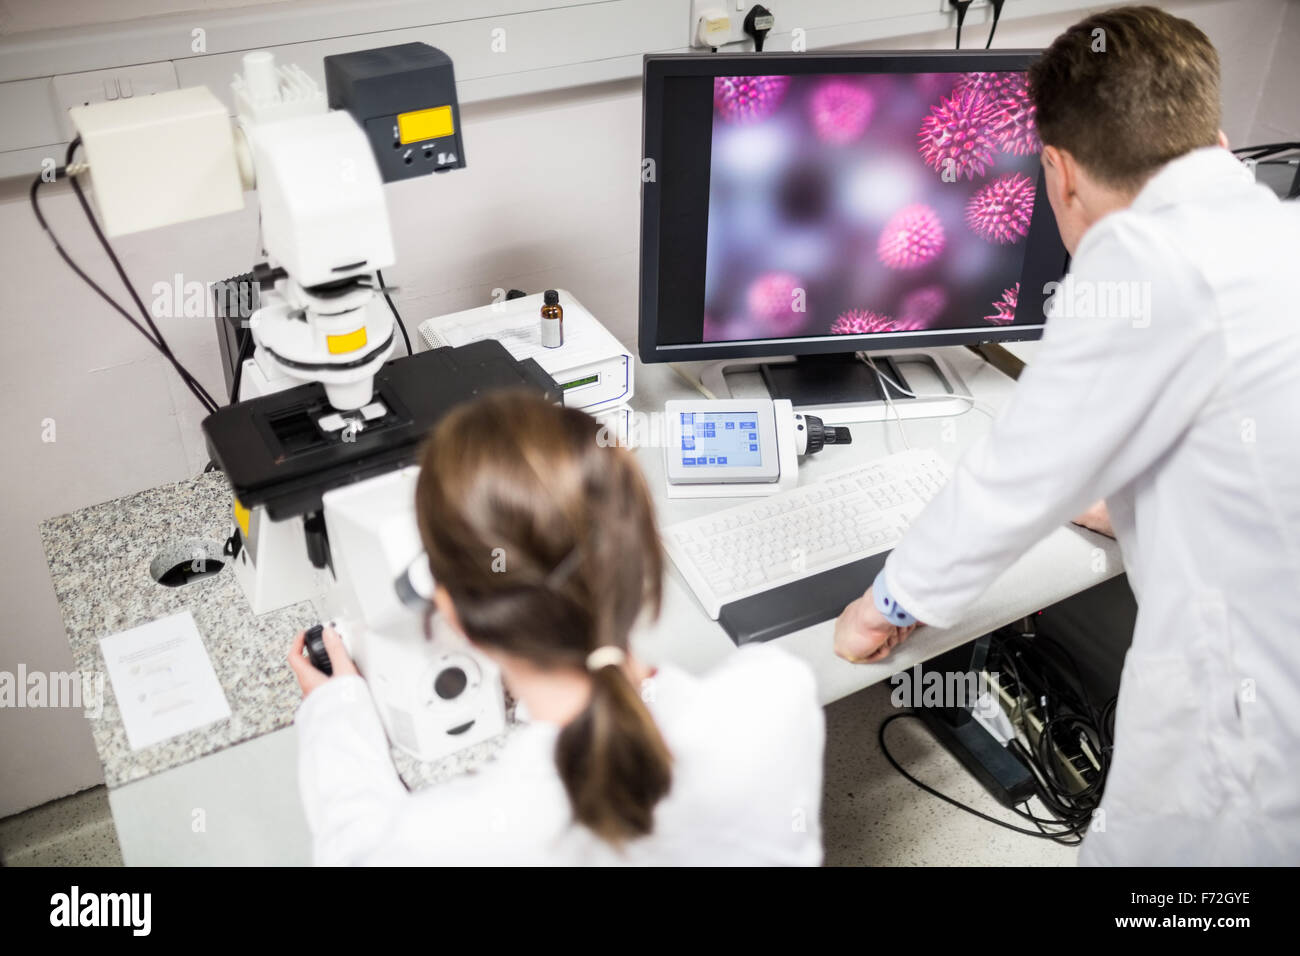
{"points": [[373, 541], [323, 210], [161, 159], [265, 93], [787, 459], [347, 386]]}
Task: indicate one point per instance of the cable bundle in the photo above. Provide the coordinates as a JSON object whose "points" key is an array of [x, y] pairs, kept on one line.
{"points": [[1053, 715]]}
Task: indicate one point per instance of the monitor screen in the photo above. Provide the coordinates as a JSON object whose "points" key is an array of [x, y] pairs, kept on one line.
{"points": [[848, 202]]}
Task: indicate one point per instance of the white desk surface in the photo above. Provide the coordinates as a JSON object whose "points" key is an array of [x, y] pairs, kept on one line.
{"points": [[248, 795]]}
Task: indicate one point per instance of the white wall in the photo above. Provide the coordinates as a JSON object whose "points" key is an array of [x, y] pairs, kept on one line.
{"points": [[22, 16], [550, 198], [1277, 118]]}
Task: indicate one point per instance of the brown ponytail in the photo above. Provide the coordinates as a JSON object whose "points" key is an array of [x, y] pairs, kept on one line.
{"points": [[546, 542], [613, 760]]}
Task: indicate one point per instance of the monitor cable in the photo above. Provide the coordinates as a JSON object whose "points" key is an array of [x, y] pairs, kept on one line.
{"points": [[758, 24], [889, 399], [971, 400], [961, 6], [997, 14]]}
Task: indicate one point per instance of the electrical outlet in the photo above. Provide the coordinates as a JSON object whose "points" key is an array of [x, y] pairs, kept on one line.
{"points": [[714, 25], [100, 86], [946, 7]]}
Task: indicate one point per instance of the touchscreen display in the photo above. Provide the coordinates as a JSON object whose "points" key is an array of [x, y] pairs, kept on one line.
{"points": [[721, 439]]}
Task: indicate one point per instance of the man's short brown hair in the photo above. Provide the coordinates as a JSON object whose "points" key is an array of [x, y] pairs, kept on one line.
{"points": [[1126, 91]]}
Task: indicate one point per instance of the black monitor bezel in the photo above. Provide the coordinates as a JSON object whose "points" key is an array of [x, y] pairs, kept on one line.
{"points": [[659, 67]]}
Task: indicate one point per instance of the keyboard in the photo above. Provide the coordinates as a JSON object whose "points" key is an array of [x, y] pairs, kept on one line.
{"points": [[778, 564]]}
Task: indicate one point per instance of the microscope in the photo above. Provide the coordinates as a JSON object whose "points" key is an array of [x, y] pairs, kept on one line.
{"points": [[319, 447]]}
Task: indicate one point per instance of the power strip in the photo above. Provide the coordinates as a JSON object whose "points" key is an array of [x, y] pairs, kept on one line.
{"points": [[1080, 764]]}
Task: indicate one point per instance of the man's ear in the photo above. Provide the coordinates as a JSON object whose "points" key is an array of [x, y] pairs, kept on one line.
{"points": [[1067, 171], [1223, 140]]}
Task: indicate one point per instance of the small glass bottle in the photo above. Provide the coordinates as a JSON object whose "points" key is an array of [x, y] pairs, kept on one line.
{"points": [[552, 320]]}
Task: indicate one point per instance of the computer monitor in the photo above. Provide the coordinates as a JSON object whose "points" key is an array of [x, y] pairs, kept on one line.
{"points": [[822, 204]]}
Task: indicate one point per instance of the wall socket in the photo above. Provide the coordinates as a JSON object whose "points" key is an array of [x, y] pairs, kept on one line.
{"points": [[719, 10], [100, 86]]}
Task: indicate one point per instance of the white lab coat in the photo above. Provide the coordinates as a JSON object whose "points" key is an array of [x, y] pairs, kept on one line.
{"points": [[746, 740], [1189, 426]]}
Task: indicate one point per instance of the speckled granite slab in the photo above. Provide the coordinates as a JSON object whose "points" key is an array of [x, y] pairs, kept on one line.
{"points": [[99, 561]]}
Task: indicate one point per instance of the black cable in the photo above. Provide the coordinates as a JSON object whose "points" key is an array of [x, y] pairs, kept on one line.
{"points": [[237, 376], [383, 287], [1055, 688], [758, 24], [34, 197], [961, 6], [193, 383], [1265, 149], [997, 14], [884, 748], [1066, 709]]}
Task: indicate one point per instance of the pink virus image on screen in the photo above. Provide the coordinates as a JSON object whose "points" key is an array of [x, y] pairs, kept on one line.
{"points": [[912, 238], [992, 85], [1000, 212], [1004, 309], [840, 111], [862, 322], [956, 138], [740, 99], [1014, 129], [922, 307], [1012, 126], [772, 298]]}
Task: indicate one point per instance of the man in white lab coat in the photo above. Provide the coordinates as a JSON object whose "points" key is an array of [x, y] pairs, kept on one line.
{"points": [[1168, 384]]}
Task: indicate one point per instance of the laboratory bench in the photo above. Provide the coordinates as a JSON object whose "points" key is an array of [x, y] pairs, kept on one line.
{"points": [[227, 793]]}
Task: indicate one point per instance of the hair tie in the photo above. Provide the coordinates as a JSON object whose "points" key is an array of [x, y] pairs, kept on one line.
{"points": [[606, 656]]}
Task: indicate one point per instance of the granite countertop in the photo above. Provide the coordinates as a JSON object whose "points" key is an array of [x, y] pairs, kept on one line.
{"points": [[99, 560]]}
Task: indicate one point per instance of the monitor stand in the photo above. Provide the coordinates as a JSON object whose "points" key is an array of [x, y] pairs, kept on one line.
{"points": [[841, 389], [816, 381]]}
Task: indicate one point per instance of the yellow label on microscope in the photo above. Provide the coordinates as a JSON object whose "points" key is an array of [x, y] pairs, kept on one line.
{"points": [[348, 342]]}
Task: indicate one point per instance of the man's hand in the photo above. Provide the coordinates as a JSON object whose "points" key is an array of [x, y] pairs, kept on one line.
{"points": [[863, 635], [309, 678], [1096, 518]]}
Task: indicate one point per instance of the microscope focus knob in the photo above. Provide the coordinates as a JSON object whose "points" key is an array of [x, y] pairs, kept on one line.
{"points": [[316, 653]]}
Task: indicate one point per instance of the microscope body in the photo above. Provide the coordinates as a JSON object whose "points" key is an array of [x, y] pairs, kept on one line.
{"points": [[320, 374], [435, 694]]}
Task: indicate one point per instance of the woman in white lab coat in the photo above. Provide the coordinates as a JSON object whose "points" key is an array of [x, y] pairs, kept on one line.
{"points": [[543, 545], [1167, 383]]}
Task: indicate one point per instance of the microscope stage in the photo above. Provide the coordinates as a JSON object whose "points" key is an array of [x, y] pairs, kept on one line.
{"points": [[286, 449]]}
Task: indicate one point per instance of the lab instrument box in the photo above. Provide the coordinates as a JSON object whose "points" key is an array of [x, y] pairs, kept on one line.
{"points": [[592, 368]]}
